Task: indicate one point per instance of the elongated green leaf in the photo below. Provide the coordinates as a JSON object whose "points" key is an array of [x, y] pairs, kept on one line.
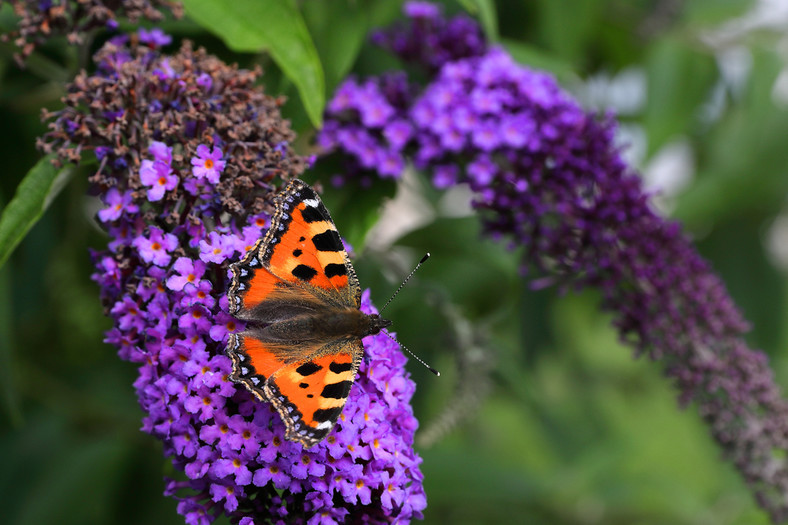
{"points": [[485, 11], [273, 25], [536, 58], [33, 196], [326, 21]]}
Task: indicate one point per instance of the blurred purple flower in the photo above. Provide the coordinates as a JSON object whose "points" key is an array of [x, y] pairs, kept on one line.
{"points": [[429, 39], [154, 37], [548, 176]]}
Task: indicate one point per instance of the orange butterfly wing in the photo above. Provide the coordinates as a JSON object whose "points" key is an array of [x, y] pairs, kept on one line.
{"points": [[298, 270]]}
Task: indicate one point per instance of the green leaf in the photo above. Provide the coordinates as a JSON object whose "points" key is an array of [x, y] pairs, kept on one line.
{"points": [[327, 20], [33, 196], [485, 11], [680, 78], [273, 25], [712, 13], [568, 29], [742, 162], [536, 58]]}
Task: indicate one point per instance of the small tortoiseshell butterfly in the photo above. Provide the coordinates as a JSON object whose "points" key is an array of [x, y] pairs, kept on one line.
{"points": [[299, 297]]}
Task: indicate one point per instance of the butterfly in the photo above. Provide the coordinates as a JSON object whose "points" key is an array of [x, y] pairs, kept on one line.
{"points": [[299, 298]]}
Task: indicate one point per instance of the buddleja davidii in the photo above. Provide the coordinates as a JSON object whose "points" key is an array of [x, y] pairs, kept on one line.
{"points": [[548, 176], [186, 149], [186, 100]]}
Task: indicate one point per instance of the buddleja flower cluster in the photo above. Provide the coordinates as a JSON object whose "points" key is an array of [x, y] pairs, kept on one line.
{"points": [[40, 20], [547, 176], [187, 149]]}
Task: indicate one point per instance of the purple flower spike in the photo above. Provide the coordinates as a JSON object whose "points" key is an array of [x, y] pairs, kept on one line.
{"points": [[164, 277], [548, 176]]}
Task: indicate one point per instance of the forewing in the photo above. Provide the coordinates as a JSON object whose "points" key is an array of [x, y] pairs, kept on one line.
{"points": [[303, 247], [257, 294]]}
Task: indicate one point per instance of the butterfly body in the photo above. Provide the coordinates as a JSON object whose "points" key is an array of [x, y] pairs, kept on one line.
{"points": [[299, 298], [324, 326]]}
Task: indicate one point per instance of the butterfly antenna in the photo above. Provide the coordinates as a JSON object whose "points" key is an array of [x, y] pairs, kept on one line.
{"points": [[426, 256], [417, 358]]}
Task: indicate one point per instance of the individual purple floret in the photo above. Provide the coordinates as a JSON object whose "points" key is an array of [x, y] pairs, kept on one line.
{"points": [[548, 176], [208, 164], [188, 148]]}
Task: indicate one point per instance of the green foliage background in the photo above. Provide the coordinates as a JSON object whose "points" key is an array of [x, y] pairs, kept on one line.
{"points": [[568, 427]]}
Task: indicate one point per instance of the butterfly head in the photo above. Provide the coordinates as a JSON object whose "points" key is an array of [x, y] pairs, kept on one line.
{"points": [[376, 324]]}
